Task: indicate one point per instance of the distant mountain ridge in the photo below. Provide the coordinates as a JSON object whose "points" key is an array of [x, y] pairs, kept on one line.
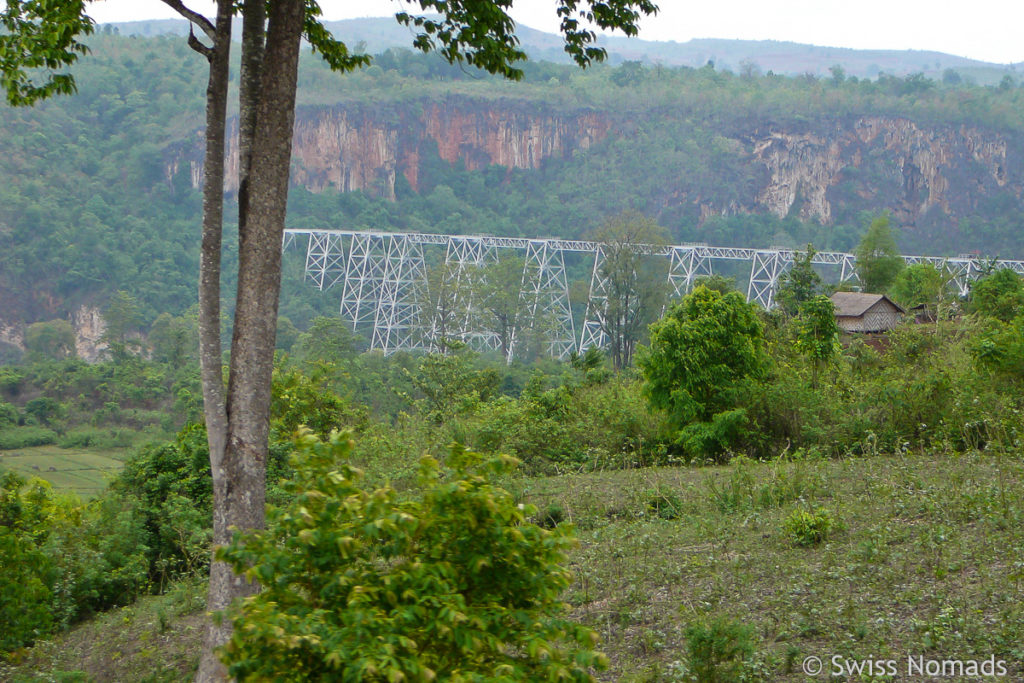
{"points": [[380, 34]]}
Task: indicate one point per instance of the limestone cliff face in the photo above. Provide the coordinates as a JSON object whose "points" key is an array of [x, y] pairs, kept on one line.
{"points": [[89, 329], [87, 322], [801, 166], [365, 148], [893, 163], [826, 170], [13, 334]]}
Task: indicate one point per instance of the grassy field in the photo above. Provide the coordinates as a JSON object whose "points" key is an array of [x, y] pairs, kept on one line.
{"points": [[81, 470], [872, 559]]}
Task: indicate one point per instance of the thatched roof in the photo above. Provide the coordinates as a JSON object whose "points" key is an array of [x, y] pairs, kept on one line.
{"points": [[856, 304]]}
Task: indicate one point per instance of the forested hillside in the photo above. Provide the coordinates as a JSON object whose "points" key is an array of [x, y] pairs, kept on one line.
{"points": [[98, 191]]}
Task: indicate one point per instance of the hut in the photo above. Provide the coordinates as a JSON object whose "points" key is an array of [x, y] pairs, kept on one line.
{"points": [[858, 312]]}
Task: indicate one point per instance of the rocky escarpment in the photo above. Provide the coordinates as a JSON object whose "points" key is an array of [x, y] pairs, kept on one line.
{"points": [[887, 162], [827, 171], [87, 323], [365, 148]]}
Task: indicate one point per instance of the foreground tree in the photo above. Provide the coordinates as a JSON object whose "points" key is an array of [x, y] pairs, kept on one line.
{"points": [[364, 585], [41, 37]]}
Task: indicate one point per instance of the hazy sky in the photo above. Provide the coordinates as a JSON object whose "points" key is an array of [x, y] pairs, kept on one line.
{"points": [[989, 30]]}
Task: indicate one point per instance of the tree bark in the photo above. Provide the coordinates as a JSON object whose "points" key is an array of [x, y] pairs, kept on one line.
{"points": [[210, 352], [240, 486], [254, 19]]}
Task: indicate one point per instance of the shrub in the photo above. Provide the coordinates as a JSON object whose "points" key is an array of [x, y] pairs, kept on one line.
{"points": [[8, 415], [807, 527], [589, 426], [26, 579], [159, 474], [62, 560], [702, 354], [664, 504], [719, 650], [25, 437], [358, 585]]}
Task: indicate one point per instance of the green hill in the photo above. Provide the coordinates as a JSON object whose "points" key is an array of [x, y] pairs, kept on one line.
{"points": [[98, 191]]}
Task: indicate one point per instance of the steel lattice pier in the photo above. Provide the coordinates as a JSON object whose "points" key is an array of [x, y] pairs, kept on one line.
{"points": [[383, 280]]}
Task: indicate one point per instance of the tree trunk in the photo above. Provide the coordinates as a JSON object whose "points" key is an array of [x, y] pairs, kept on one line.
{"points": [[210, 355], [240, 485], [254, 21]]}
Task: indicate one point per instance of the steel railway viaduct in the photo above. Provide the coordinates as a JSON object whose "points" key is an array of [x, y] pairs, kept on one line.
{"points": [[383, 279]]}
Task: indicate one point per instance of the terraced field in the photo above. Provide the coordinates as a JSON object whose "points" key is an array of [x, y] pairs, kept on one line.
{"points": [[83, 471]]}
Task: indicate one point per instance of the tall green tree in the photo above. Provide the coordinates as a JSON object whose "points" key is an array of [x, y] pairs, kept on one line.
{"points": [[120, 317], [878, 257], [634, 284], [173, 339], [448, 300], [701, 354], [328, 340], [40, 39], [51, 339], [1000, 295], [800, 283], [500, 307], [922, 284], [817, 333]]}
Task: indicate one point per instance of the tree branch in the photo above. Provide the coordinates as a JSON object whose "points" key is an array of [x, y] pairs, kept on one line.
{"points": [[198, 46], [196, 18]]}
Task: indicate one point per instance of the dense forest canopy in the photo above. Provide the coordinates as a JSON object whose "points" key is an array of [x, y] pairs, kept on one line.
{"points": [[96, 196]]}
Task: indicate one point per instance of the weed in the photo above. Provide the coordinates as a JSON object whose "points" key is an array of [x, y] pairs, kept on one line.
{"points": [[163, 621], [785, 482], [664, 504], [552, 516], [719, 650], [806, 527]]}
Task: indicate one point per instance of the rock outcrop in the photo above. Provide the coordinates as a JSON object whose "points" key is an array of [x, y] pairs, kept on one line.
{"points": [[849, 164], [365, 148], [912, 169], [89, 329]]}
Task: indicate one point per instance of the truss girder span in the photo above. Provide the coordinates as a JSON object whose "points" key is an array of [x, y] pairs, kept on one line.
{"points": [[383, 278], [544, 299], [686, 264], [465, 257], [593, 330]]}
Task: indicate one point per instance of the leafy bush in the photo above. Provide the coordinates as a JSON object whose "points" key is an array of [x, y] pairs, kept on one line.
{"points": [[299, 399], [592, 425], [719, 650], [664, 504], [697, 368], [1000, 295], [358, 585], [806, 527], [27, 573], [8, 415], [157, 476], [99, 556], [25, 437], [62, 560]]}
